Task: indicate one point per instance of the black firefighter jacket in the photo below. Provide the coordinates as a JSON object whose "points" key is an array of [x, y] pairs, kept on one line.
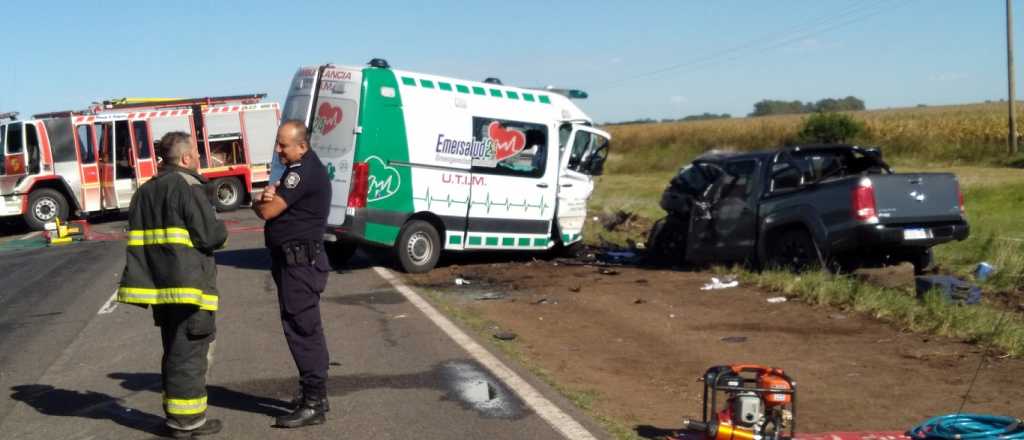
{"points": [[173, 231]]}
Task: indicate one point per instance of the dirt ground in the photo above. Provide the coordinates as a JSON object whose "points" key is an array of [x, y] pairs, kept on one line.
{"points": [[640, 338]]}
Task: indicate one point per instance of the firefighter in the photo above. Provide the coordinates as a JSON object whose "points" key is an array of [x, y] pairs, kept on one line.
{"points": [[296, 209], [173, 231]]}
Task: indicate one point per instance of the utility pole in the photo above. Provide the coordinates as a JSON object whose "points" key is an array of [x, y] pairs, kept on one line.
{"points": [[1010, 77]]}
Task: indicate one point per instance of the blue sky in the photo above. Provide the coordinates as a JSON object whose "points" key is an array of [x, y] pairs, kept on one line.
{"points": [[637, 59]]}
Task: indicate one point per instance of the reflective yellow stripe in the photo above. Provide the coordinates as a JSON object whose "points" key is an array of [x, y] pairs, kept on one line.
{"points": [[169, 295], [185, 407], [145, 237]]}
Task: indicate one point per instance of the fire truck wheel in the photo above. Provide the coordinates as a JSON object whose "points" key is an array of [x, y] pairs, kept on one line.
{"points": [[418, 247], [45, 205], [227, 193]]}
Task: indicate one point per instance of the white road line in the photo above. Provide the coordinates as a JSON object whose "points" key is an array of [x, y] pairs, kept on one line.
{"points": [[30, 235], [110, 305], [558, 419]]}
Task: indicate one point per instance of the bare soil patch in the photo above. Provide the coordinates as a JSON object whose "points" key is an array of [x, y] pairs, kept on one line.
{"points": [[640, 338]]}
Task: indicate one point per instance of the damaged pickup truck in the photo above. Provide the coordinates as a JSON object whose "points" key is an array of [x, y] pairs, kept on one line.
{"points": [[840, 207]]}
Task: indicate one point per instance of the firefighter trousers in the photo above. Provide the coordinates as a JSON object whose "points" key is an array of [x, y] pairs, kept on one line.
{"points": [[187, 333], [298, 292]]}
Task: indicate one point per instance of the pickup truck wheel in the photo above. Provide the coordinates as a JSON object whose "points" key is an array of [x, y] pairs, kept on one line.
{"points": [[922, 261], [227, 193], [666, 243], [45, 205], [794, 250], [339, 252], [418, 246]]}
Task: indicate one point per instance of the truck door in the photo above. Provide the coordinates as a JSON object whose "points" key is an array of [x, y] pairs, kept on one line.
{"points": [[14, 150], [333, 132], [512, 187], [142, 151], [85, 141], [582, 158], [105, 141], [124, 164], [723, 222]]}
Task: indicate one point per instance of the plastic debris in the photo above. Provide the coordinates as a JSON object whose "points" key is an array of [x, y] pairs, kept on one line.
{"points": [[461, 282], [717, 284], [777, 300], [983, 271]]}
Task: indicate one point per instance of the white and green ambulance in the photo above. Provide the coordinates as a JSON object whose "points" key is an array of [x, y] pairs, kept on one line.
{"points": [[426, 163]]}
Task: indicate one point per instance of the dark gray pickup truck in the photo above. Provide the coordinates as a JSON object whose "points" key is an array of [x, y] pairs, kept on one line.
{"points": [[838, 206]]}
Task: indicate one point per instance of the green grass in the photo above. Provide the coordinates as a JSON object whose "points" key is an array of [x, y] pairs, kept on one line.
{"points": [[979, 324], [484, 328]]}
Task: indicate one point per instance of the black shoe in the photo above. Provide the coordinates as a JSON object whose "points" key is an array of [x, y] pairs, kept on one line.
{"points": [[300, 396], [212, 426], [309, 412]]}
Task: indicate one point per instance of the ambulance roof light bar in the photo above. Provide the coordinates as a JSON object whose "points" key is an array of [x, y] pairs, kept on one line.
{"points": [[568, 93], [173, 102], [9, 115]]}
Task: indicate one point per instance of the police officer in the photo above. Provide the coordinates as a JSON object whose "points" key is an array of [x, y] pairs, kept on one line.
{"points": [[296, 208]]}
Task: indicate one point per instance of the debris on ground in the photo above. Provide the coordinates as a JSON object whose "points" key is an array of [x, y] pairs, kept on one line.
{"points": [[983, 271], [486, 296], [837, 316], [777, 300], [461, 282], [952, 289], [504, 335], [717, 284], [734, 339], [544, 301], [575, 288], [606, 271], [639, 301]]}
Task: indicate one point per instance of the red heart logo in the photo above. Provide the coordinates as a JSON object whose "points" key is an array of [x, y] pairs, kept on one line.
{"points": [[330, 117], [509, 141]]}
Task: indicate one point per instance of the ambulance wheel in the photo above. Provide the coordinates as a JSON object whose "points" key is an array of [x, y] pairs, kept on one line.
{"points": [[227, 193], [418, 246], [339, 252], [45, 205]]}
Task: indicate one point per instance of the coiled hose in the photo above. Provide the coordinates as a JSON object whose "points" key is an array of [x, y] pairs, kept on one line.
{"points": [[969, 427]]}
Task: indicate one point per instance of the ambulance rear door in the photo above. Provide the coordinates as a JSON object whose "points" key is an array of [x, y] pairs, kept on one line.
{"points": [[333, 128]]}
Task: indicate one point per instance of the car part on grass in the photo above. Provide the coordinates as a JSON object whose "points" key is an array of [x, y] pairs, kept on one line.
{"points": [[760, 403]]}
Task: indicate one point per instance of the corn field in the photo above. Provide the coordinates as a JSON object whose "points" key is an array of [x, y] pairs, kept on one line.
{"points": [[946, 135]]}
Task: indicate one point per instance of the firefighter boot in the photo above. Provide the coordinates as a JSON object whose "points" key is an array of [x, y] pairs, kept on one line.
{"points": [[212, 426], [309, 412], [300, 396]]}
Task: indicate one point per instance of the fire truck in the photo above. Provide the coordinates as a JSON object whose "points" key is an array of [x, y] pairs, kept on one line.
{"points": [[82, 163]]}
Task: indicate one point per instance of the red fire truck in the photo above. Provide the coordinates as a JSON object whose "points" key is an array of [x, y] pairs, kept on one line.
{"points": [[80, 163]]}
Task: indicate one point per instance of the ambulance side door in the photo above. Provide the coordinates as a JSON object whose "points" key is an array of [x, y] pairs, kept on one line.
{"points": [[582, 158], [512, 195]]}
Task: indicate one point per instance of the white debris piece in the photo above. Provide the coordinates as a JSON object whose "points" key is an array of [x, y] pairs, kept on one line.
{"points": [[461, 282], [717, 284], [777, 299]]}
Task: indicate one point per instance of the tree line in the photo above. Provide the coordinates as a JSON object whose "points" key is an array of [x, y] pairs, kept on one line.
{"points": [[768, 107]]}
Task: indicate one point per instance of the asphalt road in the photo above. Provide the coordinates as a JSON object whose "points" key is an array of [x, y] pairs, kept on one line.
{"points": [[76, 366]]}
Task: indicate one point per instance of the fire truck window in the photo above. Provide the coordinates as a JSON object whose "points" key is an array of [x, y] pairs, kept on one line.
{"points": [[14, 139], [141, 139], [32, 148], [62, 139], [226, 150], [122, 151], [87, 151]]}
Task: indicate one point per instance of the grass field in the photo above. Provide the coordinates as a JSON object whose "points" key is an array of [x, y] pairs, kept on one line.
{"points": [[968, 141]]}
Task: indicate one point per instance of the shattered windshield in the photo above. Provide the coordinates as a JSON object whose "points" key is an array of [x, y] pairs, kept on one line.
{"points": [[694, 179]]}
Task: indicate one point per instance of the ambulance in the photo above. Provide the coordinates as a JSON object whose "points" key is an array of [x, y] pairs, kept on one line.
{"points": [[424, 163]]}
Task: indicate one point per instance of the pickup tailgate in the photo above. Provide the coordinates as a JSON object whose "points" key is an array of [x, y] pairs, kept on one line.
{"points": [[917, 198]]}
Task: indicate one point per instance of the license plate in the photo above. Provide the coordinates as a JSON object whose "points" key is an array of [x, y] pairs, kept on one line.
{"points": [[915, 234]]}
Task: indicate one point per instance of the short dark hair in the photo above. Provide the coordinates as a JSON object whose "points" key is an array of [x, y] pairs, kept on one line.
{"points": [[173, 146]]}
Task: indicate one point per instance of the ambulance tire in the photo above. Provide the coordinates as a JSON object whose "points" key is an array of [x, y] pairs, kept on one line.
{"points": [[45, 205], [339, 252], [418, 247], [227, 194]]}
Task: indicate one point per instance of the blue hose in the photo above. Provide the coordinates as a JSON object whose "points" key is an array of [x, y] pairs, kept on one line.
{"points": [[969, 427]]}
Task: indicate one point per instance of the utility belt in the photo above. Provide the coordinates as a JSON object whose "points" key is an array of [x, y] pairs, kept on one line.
{"points": [[301, 252]]}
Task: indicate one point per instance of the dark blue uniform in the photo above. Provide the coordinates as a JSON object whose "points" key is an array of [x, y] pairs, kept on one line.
{"points": [[300, 268]]}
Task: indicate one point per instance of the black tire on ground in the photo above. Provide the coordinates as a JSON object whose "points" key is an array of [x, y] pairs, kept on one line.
{"points": [[339, 252], [795, 251], [666, 242], [418, 247], [227, 194], [45, 205], [922, 261]]}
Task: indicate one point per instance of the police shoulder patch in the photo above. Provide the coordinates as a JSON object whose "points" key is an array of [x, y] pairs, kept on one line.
{"points": [[291, 180]]}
